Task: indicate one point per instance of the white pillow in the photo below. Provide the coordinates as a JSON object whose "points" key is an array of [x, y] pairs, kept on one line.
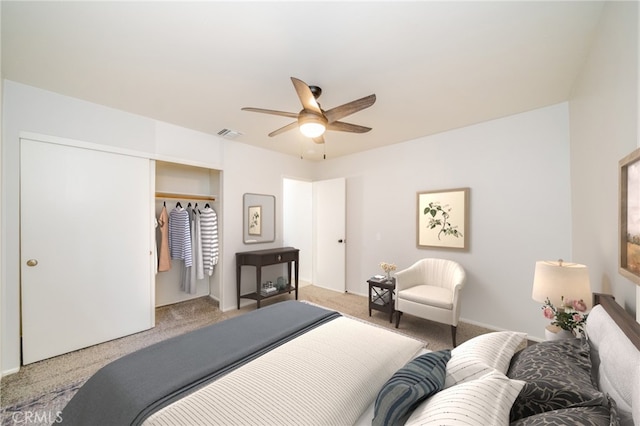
{"points": [[612, 347], [635, 409], [484, 401], [481, 355]]}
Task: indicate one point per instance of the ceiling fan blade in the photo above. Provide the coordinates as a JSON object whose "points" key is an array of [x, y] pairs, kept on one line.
{"points": [[289, 126], [319, 139], [341, 111], [306, 96], [272, 112], [341, 126]]}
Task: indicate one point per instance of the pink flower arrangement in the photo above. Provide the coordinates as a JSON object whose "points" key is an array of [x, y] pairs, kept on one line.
{"points": [[569, 317], [579, 305]]}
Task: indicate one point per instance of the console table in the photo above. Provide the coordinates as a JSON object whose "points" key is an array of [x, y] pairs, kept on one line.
{"points": [[260, 258]]}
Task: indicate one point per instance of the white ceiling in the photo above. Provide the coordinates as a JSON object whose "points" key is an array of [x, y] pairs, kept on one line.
{"points": [[433, 66]]}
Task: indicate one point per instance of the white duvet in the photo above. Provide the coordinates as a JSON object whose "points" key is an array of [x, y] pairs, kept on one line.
{"points": [[328, 376]]}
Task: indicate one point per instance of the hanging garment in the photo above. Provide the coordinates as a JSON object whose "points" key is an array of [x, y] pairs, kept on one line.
{"points": [[180, 235], [209, 235], [198, 259], [164, 262], [188, 277]]}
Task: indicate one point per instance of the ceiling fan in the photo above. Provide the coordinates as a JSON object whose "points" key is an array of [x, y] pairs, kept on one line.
{"points": [[313, 120]]}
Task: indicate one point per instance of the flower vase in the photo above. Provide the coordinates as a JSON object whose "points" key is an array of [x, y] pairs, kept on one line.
{"points": [[553, 332], [388, 276]]}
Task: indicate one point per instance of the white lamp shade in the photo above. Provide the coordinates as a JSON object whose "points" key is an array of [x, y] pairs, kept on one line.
{"points": [[555, 280]]}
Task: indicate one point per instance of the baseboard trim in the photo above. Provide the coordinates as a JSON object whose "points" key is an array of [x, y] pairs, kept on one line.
{"points": [[9, 372], [494, 328]]}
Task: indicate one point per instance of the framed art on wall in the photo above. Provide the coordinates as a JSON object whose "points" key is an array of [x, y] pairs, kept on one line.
{"points": [[255, 220], [629, 264], [259, 218], [443, 219]]}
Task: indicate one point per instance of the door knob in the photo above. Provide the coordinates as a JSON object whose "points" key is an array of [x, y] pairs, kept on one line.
{"points": [[32, 262], [340, 240]]}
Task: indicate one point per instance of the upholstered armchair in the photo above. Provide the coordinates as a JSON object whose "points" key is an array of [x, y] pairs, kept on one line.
{"points": [[430, 289]]}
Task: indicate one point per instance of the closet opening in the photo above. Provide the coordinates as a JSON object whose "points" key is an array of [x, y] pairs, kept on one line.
{"points": [[187, 197]]}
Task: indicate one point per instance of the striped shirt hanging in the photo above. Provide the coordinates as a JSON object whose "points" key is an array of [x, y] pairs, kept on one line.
{"points": [[180, 236], [209, 237]]}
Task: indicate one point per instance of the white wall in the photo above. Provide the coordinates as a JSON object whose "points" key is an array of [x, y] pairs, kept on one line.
{"points": [[2, 276], [297, 220], [30, 109], [604, 129], [517, 169], [260, 171]]}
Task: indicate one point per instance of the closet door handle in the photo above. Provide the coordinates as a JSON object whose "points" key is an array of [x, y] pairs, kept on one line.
{"points": [[32, 262]]}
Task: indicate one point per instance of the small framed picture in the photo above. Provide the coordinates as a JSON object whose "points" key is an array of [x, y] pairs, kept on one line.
{"points": [[254, 216]]}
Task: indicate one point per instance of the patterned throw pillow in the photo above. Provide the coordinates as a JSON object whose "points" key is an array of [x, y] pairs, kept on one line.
{"points": [[558, 375], [583, 416], [418, 379]]}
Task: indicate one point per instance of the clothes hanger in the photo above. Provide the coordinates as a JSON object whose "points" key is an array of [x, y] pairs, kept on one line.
{"points": [[206, 206], [178, 204]]}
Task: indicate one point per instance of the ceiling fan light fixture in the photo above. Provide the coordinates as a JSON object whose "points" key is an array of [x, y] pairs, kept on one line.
{"points": [[311, 125], [312, 129]]}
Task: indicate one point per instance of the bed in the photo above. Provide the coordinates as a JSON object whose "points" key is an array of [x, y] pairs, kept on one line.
{"points": [[297, 363]]}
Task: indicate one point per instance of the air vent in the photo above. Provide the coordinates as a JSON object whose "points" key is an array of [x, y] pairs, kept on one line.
{"points": [[229, 134]]}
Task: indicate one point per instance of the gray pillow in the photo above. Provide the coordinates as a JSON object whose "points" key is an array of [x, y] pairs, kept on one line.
{"points": [[417, 380], [557, 375]]}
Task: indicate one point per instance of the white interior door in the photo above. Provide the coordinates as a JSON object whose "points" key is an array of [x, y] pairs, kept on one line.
{"points": [[329, 207], [85, 247]]}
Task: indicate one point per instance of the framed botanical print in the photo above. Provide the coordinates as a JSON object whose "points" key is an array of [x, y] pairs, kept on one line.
{"points": [[255, 220], [443, 219]]}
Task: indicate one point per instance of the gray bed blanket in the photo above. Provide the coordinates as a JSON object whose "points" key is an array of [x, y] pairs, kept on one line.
{"points": [[128, 390]]}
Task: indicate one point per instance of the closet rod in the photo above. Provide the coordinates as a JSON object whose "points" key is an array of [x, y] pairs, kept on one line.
{"points": [[184, 196]]}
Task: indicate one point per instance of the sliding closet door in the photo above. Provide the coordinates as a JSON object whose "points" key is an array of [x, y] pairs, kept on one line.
{"points": [[85, 247]]}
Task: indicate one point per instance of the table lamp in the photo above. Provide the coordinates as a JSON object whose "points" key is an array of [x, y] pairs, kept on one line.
{"points": [[561, 282]]}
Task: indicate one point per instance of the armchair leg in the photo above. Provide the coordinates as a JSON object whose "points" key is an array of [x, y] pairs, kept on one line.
{"points": [[453, 335], [398, 315]]}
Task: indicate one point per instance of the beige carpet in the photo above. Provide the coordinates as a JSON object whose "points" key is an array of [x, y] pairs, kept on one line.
{"points": [[58, 378]]}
